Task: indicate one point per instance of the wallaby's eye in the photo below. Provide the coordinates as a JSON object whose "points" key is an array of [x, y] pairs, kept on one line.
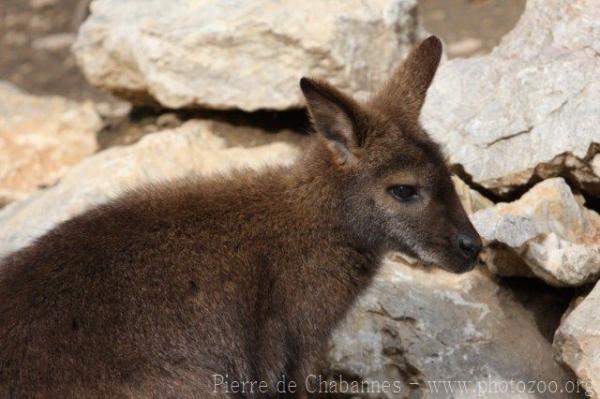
{"points": [[403, 193]]}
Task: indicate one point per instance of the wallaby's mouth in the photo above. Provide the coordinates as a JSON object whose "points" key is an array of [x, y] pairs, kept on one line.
{"points": [[459, 258], [451, 268]]}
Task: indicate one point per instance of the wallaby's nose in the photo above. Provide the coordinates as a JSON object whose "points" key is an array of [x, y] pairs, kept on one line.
{"points": [[470, 246]]}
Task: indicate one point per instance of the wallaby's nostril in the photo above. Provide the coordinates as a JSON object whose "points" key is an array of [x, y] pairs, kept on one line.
{"points": [[470, 246]]}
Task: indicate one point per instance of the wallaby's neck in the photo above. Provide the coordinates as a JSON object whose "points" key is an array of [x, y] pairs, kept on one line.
{"points": [[317, 192], [314, 192]]}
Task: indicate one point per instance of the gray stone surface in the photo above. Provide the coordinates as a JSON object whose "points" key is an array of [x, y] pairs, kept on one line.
{"points": [[416, 326], [534, 97], [551, 232], [241, 54], [577, 342]]}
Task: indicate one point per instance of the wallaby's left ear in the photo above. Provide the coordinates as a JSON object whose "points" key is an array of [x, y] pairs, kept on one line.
{"points": [[335, 116], [407, 88]]}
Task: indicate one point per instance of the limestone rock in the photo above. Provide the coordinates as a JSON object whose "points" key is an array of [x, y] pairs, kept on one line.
{"points": [[189, 149], [532, 106], [550, 230], [40, 138], [241, 54], [417, 325], [577, 342]]}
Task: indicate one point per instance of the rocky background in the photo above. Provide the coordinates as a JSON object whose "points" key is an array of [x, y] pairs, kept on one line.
{"points": [[206, 86]]}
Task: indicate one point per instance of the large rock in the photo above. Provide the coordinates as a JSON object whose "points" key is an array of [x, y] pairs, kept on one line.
{"points": [[40, 138], [532, 106], [189, 149], [241, 54], [577, 342], [425, 331], [550, 230]]}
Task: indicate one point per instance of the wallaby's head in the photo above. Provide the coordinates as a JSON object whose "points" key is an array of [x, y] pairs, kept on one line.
{"points": [[392, 179]]}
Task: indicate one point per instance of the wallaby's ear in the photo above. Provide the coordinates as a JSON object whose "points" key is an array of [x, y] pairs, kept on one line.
{"points": [[334, 115], [407, 88]]}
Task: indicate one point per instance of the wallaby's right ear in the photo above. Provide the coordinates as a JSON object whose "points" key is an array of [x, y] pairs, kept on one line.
{"points": [[405, 92], [335, 116]]}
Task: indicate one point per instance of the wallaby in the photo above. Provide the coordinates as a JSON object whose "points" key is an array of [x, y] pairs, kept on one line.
{"points": [[175, 289]]}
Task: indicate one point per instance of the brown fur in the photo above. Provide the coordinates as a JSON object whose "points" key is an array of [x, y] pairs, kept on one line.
{"points": [[153, 294]]}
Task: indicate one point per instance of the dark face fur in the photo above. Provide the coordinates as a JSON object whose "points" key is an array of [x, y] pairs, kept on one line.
{"points": [[393, 179]]}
